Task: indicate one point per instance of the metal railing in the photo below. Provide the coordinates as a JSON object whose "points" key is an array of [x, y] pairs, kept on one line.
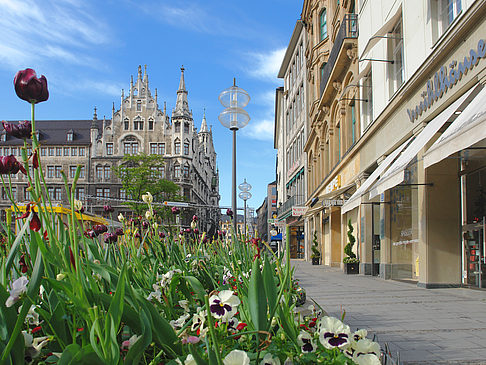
{"points": [[295, 200], [348, 29]]}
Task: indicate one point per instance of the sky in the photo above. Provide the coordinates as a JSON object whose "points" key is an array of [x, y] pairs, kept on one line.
{"points": [[89, 49]]}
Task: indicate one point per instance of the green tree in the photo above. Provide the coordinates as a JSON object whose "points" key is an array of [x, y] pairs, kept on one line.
{"points": [[348, 249], [143, 173]]}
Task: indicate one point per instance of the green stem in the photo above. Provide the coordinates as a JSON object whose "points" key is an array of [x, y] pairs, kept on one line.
{"points": [[211, 331]]}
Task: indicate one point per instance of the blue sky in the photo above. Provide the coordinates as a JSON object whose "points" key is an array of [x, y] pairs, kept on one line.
{"points": [[88, 50]]}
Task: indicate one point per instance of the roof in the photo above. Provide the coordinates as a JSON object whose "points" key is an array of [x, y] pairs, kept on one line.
{"points": [[54, 132]]}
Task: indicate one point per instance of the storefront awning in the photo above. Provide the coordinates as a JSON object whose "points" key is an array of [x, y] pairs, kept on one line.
{"points": [[355, 199], [381, 33], [468, 129], [396, 173]]}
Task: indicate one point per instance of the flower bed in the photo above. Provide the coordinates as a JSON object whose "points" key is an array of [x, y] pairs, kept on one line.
{"points": [[148, 293]]}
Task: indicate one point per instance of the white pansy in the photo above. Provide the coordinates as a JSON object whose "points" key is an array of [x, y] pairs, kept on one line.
{"points": [[304, 339], [147, 198], [224, 304], [184, 305], [236, 357], [179, 322], [365, 347], [268, 359], [190, 360], [369, 359], [333, 333], [19, 287], [360, 334]]}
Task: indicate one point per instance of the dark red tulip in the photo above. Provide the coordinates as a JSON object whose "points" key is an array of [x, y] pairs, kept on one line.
{"points": [[162, 235], [22, 264], [110, 237], [21, 130], [119, 231], [71, 258], [194, 218], [99, 229], [35, 223], [229, 213], [145, 224], [35, 160], [30, 88], [196, 231], [10, 165]]}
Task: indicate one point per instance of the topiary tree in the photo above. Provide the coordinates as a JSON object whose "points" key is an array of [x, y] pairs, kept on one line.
{"points": [[348, 249], [315, 247]]}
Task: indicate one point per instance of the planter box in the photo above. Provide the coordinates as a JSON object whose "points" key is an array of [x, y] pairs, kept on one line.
{"points": [[351, 268], [316, 260]]}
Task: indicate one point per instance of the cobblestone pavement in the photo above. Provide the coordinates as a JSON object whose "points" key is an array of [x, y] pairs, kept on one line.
{"points": [[426, 326]]}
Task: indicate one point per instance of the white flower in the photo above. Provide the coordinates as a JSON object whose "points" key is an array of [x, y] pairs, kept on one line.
{"points": [[148, 214], [198, 321], [268, 359], [19, 287], [155, 294], [360, 334], [155, 225], [365, 347], [184, 305], [304, 339], [179, 322], [193, 225], [78, 204], [223, 305], [148, 198], [190, 360], [130, 342], [236, 357], [33, 346], [60, 276], [369, 359], [121, 218], [32, 317], [333, 333]]}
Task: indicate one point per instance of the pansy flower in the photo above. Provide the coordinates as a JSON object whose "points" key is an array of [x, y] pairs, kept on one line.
{"points": [[333, 333], [223, 305], [268, 359], [237, 357], [365, 347], [304, 339], [19, 287], [369, 359]]}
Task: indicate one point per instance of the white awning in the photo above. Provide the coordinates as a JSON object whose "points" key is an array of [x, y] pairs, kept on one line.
{"points": [[396, 173], [380, 33], [355, 199], [468, 129]]}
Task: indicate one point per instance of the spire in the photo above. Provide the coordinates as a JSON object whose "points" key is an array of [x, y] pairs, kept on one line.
{"points": [[204, 125], [139, 76], [113, 107], [156, 96], [182, 107], [95, 116], [145, 75], [165, 108]]}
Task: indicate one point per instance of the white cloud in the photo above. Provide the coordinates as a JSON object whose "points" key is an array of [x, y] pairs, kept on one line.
{"points": [[261, 130], [266, 65], [36, 32]]}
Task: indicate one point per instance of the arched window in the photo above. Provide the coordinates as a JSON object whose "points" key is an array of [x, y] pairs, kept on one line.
{"points": [[151, 125], [177, 171], [139, 106], [177, 147], [130, 146], [323, 24], [127, 124]]}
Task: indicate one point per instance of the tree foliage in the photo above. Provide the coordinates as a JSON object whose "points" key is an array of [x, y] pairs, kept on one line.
{"points": [[348, 249], [143, 173]]}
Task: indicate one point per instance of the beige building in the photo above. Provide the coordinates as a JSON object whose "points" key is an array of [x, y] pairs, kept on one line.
{"points": [[138, 126], [420, 207], [333, 104]]}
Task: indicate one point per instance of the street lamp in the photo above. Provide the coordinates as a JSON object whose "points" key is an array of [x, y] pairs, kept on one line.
{"points": [[245, 195], [234, 117]]}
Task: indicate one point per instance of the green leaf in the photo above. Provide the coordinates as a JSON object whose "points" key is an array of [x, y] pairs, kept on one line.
{"points": [[196, 286], [138, 348], [197, 357], [257, 301], [7, 324], [75, 355], [117, 302], [269, 285], [15, 246]]}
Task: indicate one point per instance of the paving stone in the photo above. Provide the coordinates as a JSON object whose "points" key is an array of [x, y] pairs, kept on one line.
{"points": [[427, 326]]}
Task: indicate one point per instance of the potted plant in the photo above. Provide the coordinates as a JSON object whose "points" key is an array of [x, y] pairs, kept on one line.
{"points": [[316, 254], [351, 262]]}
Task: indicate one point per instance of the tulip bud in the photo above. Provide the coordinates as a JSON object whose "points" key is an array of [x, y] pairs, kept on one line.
{"points": [[30, 88], [148, 198], [121, 218], [175, 210], [78, 204], [61, 276], [148, 214], [229, 213]]}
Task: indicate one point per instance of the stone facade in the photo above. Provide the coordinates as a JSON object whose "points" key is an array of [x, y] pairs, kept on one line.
{"points": [[138, 126]]}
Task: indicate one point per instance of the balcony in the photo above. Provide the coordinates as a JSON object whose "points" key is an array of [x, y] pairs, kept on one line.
{"points": [[286, 208], [346, 37]]}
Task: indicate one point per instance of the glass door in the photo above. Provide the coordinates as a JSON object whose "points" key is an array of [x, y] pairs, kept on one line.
{"points": [[376, 241], [474, 267]]}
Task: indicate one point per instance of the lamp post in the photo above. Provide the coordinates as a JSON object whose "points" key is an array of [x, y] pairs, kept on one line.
{"points": [[234, 117], [245, 195]]}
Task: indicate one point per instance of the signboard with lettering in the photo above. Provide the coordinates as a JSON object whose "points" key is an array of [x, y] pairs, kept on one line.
{"points": [[176, 204], [326, 203], [298, 211]]}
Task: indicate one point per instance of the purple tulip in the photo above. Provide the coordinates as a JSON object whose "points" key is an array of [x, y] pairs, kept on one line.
{"points": [[119, 231], [175, 210], [110, 237], [10, 165], [99, 229], [21, 130], [108, 209], [229, 213], [30, 88]]}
